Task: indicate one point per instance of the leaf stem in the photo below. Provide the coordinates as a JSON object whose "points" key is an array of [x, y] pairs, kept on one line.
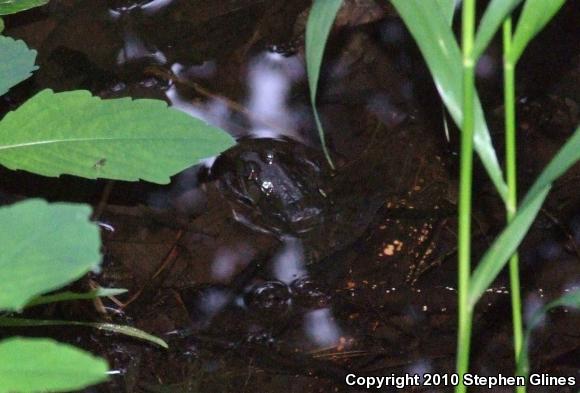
{"points": [[465, 191], [511, 173]]}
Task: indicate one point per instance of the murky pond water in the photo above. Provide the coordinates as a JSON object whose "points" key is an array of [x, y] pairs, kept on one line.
{"points": [[268, 271]]}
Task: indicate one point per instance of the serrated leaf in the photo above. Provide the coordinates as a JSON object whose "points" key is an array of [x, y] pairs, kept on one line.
{"points": [[495, 13], [110, 327], [77, 134], [320, 21], [535, 15], [16, 62], [14, 6], [44, 246], [68, 296], [443, 57], [42, 365]]}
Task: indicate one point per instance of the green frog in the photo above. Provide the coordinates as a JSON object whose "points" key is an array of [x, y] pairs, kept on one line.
{"points": [[287, 189], [275, 185]]}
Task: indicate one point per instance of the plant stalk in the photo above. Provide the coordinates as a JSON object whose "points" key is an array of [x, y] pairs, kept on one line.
{"points": [[465, 191], [511, 175]]}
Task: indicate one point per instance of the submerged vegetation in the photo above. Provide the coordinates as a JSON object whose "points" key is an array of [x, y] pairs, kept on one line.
{"points": [[46, 246]]}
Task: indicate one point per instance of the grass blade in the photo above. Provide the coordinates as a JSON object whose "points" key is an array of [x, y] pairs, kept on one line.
{"points": [[318, 28], [441, 52], [447, 8], [497, 255], [503, 247], [495, 13], [67, 296], [535, 15], [110, 327]]}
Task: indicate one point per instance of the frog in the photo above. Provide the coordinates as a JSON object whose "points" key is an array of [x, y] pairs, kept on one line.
{"points": [[275, 186], [285, 188]]}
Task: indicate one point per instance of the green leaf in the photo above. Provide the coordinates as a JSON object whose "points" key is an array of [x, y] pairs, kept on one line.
{"points": [[78, 134], [1, 26], [320, 20], [16, 62], [503, 247], [68, 296], [495, 13], [447, 9], [44, 246], [441, 52], [571, 299], [42, 365], [535, 15], [110, 327], [567, 156], [14, 6]]}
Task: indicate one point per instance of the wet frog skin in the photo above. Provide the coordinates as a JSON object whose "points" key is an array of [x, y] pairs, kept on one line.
{"points": [[275, 185]]}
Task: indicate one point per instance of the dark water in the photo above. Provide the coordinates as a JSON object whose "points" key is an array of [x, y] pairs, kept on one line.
{"points": [[272, 272]]}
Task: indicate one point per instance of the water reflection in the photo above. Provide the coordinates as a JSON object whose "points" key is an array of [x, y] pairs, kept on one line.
{"points": [[321, 328], [284, 302], [147, 7], [134, 48], [229, 261], [207, 303], [270, 78], [288, 264]]}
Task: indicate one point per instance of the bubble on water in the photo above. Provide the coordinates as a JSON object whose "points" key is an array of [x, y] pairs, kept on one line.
{"points": [[269, 299], [308, 294]]}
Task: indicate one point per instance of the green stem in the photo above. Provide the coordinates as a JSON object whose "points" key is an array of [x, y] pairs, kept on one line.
{"points": [[465, 188], [511, 173], [321, 135]]}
